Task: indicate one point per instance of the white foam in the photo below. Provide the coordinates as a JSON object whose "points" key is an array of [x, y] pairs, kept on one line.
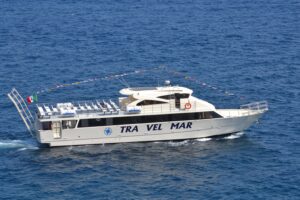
{"points": [[176, 144], [234, 136], [17, 144], [28, 148], [92, 149], [203, 139]]}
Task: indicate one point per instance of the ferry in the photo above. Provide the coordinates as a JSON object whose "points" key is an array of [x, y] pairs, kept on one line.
{"points": [[144, 114]]}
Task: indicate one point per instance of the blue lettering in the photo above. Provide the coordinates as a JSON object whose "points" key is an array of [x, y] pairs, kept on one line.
{"points": [[129, 129], [122, 128], [174, 125], [157, 127], [154, 127], [135, 129], [149, 126], [189, 125], [181, 125]]}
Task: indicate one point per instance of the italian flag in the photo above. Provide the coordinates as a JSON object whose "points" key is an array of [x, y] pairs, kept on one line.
{"points": [[31, 99]]}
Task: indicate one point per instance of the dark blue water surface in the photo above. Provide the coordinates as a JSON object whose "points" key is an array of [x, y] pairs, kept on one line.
{"points": [[250, 48]]}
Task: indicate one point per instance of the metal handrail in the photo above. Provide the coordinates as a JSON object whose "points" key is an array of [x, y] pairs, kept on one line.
{"points": [[150, 109], [256, 106], [167, 108]]}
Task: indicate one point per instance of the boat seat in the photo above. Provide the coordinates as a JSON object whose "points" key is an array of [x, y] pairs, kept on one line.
{"points": [[95, 107], [55, 110], [82, 108], [75, 108], [101, 106], [98, 109], [88, 107], [114, 106], [108, 106], [41, 111], [48, 110], [67, 112]]}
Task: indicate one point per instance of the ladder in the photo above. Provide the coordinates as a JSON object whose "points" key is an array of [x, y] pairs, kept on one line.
{"points": [[23, 110]]}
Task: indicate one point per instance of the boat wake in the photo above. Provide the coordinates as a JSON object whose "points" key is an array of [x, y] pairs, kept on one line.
{"points": [[185, 142], [203, 139], [93, 150], [188, 141], [234, 136], [177, 143], [20, 145]]}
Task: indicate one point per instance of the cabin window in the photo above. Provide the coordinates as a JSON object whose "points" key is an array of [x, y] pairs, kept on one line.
{"points": [[149, 102], [207, 115], [175, 96], [215, 115], [182, 96], [109, 121], [146, 119], [156, 118], [167, 97], [92, 122], [185, 116], [46, 125], [67, 124]]}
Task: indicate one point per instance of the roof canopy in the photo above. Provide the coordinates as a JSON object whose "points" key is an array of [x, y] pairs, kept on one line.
{"points": [[155, 91]]}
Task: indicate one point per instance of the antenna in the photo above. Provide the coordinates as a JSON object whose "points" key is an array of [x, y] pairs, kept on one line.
{"points": [[159, 78], [124, 82]]}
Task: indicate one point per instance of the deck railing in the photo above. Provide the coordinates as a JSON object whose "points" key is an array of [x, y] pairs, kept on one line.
{"points": [[256, 106], [97, 107], [170, 108]]}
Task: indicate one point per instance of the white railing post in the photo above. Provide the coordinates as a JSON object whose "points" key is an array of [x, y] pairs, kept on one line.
{"points": [[255, 106]]}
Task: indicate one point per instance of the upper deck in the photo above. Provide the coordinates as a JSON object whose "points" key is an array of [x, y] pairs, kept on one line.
{"points": [[154, 100], [101, 108], [155, 91], [77, 109]]}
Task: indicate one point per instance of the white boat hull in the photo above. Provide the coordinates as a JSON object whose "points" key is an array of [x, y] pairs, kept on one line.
{"points": [[161, 131]]}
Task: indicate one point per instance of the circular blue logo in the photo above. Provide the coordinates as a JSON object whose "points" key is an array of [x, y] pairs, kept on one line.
{"points": [[107, 131]]}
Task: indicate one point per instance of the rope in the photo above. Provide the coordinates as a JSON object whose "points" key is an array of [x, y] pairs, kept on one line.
{"points": [[90, 80], [204, 84], [121, 76]]}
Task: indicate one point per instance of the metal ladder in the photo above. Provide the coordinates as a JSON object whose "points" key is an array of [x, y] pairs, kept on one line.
{"points": [[23, 110]]}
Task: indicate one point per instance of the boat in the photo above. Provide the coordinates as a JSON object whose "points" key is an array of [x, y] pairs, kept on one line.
{"points": [[143, 114]]}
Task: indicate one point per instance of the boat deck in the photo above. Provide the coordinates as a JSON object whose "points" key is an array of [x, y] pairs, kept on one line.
{"points": [[63, 110], [96, 108]]}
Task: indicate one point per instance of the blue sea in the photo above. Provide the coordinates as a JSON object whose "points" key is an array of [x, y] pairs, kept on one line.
{"points": [[239, 51]]}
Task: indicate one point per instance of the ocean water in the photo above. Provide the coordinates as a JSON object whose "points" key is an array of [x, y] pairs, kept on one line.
{"points": [[249, 48]]}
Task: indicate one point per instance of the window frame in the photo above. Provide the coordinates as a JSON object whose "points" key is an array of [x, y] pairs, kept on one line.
{"points": [[145, 119]]}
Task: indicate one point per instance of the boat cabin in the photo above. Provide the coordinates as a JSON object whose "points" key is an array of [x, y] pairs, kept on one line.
{"points": [[146, 100], [161, 99]]}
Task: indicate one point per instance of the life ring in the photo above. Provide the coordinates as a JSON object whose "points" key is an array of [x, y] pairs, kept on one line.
{"points": [[188, 106]]}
